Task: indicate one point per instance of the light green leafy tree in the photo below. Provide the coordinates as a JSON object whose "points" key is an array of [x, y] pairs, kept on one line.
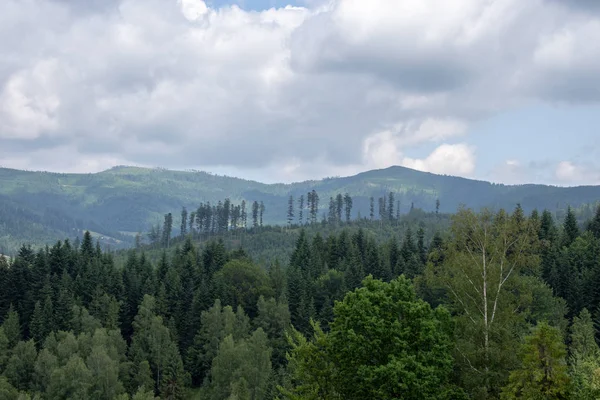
{"points": [[384, 343], [482, 278], [241, 369], [21, 365]]}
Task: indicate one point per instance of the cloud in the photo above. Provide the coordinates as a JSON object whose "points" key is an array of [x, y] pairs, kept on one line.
{"points": [[570, 173], [291, 92], [449, 159]]}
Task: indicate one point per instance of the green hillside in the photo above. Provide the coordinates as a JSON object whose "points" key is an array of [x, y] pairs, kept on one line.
{"points": [[41, 207]]}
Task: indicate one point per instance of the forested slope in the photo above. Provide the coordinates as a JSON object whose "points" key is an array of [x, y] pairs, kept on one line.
{"points": [[502, 306], [41, 207]]}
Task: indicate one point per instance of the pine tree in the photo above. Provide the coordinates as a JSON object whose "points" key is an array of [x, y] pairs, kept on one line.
{"points": [[585, 358], [290, 213], [183, 229], [332, 216], [192, 221], [255, 208], [390, 208], [167, 228], [152, 341], [594, 224], [371, 208], [421, 249], [543, 374], [262, 212], [570, 228], [301, 209], [382, 211], [12, 327], [243, 215], [348, 206], [339, 206]]}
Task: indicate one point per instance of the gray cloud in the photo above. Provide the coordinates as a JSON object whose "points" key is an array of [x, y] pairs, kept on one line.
{"points": [[584, 5], [90, 83]]}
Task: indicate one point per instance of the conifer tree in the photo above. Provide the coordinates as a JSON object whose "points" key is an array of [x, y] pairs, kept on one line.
{"points": [[262, 212], [339, 206], [290, 211], [152, 341], [584, 359], [255, 208], [348, 206], [594, 224], [166, 231], [332, 215], [390, 207], [570, 228], [371, 208], [421, 249], [244, 215], [301, 209], [543, 371], [183, 229], [12, 327]]}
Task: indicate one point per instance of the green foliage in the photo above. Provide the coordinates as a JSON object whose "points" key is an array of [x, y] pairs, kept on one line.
{"points": [[384, 343], [21, 365], [44, 207], [112, 325], [241, 283], [483, 278], [274, 319], [217, 323], [543, 371], [152, 342], [12, 327], [241, 369], [585, 359], [71, 381]]}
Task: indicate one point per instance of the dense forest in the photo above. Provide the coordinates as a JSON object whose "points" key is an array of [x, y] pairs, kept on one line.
{"points": [[490, 305], [114, 205]]}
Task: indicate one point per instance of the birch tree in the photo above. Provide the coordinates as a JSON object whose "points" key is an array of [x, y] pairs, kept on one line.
{"points": [[481, 275]]}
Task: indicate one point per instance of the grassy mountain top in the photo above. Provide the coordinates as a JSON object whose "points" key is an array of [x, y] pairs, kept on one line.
{"points": [[41, 207]]}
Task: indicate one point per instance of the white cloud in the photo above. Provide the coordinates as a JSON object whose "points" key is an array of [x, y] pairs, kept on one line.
{"points": [[294, 92], [193, 9], [570, 173], [449, 159]]}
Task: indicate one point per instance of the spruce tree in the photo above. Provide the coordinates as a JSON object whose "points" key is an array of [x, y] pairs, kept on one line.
{"points": [[12, 327], [262, 212], [255, 208], [183, 229], [594, 224], [339, 206], [348, 206], [290, 211], [543, 372], [570, 228], [301, 210]]}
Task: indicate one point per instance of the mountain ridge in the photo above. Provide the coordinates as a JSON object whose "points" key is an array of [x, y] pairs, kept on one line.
{"points": [[41, 207]]}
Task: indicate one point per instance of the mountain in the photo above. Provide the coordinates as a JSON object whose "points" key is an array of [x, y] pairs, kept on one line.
{"points": [[41, 207]]}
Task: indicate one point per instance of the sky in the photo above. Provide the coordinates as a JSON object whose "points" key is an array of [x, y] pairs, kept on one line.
{"points": [[277, 91]]}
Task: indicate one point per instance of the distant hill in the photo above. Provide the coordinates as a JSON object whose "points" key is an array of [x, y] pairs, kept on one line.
{"points": [[42, 207]]}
